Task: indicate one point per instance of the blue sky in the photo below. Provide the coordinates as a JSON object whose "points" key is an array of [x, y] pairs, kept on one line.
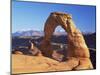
{"points": [[32, 15]]}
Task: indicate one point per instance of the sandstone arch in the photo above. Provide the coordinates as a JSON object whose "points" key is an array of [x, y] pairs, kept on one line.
{"points": [[77, 48], [55, 19]]}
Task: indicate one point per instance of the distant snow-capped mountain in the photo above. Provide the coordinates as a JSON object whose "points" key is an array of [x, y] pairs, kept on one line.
{"points": [[28, 33], [40, 33], [35, 33]]}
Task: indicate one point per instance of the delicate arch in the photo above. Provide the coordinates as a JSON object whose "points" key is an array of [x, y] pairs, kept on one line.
{"points": [[77, 48], [55, 19]]}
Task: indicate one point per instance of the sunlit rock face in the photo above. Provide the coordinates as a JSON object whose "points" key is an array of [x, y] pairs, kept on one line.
{"points": [[77, 48]]}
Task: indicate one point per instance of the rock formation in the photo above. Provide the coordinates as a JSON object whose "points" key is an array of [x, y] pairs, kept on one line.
{"points": [[77, 48], [77, 53], [33, 49], [57, 56], [55, 19], [17, 52]]}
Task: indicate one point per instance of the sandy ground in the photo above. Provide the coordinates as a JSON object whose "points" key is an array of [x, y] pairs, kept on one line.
{"points": [[33, 64]]}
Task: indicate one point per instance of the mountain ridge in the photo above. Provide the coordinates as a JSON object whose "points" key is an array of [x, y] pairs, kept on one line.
{"points": [[41, 33]]}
